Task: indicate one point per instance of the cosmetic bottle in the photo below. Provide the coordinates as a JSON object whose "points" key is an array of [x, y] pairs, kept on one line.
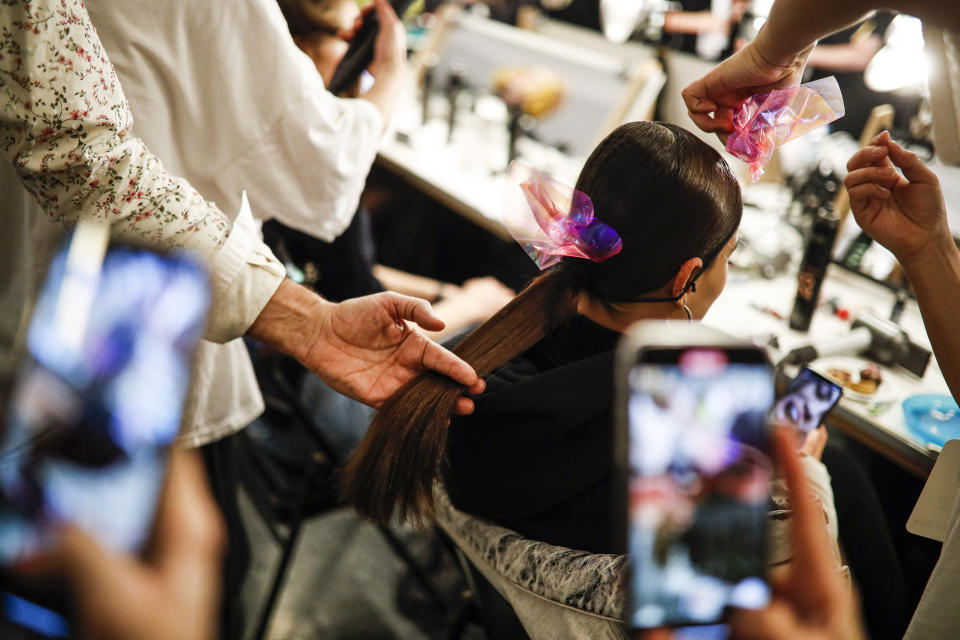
{"points": [[816, 258]]}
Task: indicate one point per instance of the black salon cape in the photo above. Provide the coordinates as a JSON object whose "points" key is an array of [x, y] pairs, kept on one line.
{"points": [[536, 455]]}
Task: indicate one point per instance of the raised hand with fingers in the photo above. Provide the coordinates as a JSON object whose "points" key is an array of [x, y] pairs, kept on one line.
{"points": [[390, 48], [905, 213]]}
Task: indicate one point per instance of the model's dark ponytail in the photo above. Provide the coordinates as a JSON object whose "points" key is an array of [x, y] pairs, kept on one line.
{"points": [[668, 195], [392, 472]]}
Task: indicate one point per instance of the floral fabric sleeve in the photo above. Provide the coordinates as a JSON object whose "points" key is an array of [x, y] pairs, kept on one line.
{"points": [[64, 122]]}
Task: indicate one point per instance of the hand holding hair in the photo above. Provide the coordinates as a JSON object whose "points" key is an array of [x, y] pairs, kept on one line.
{"points": [[391, 474], [364, 348], [367, 349]]}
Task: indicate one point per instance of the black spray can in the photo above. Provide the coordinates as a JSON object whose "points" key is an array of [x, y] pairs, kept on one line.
{"points": [[813, 269]]}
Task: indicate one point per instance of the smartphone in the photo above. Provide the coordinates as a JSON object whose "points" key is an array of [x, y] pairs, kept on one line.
{"points": [[359, 54], [98, 400], [806, 402], [694, 444]]}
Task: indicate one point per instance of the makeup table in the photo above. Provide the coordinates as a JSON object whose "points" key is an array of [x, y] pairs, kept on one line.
{"points": [[745, 310], [602, 87], [465, 174]]}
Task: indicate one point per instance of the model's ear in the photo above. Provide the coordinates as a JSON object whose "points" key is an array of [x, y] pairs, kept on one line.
{"points": [[685, 276]]}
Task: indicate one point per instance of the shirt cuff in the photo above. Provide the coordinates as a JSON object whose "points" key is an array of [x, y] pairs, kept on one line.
{"points": [[244, 276]]}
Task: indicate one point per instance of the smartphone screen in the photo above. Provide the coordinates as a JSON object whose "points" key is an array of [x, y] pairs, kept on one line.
{"points": [[95, 409], [807, 400], [698, 484]]}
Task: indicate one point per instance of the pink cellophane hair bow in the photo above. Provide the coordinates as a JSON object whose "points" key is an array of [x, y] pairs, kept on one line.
{"points": [[765, 121], [551, 220]]}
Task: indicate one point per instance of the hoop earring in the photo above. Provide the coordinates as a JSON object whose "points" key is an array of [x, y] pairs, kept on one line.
{"points": [[689, 313]]}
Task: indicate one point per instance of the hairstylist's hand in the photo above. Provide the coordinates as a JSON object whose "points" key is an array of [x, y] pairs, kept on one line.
{"points": [[389, 65], [712, 99], [906, 214], [366, 350], [171, 595], [390, 49], [810, 599], [363, 347]]}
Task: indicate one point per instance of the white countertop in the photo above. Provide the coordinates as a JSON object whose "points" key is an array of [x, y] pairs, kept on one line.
{"points": [[734, 312], [466, 176]]}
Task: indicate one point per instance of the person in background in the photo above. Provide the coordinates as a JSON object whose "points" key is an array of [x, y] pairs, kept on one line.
{"points": [[243, 111], [692, 28], [845, 56], [70, 147], [320, 28], [344, 267], [698, 30]]}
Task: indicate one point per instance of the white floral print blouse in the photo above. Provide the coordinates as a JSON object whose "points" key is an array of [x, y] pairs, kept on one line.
{"points": [[64, 124]]}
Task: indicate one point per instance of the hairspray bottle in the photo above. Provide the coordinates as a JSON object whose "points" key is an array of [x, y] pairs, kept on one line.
{"points": [[813, 269]]}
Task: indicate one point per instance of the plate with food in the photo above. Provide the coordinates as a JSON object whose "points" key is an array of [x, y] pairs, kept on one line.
{"points": [[862, 380]]}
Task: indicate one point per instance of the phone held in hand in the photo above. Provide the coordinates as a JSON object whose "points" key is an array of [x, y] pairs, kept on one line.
{"points": [[99, 399], [806, 402], [693, 444]]}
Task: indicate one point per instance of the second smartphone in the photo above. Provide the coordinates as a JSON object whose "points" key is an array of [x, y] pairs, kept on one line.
{"points": [[806, 402]]}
